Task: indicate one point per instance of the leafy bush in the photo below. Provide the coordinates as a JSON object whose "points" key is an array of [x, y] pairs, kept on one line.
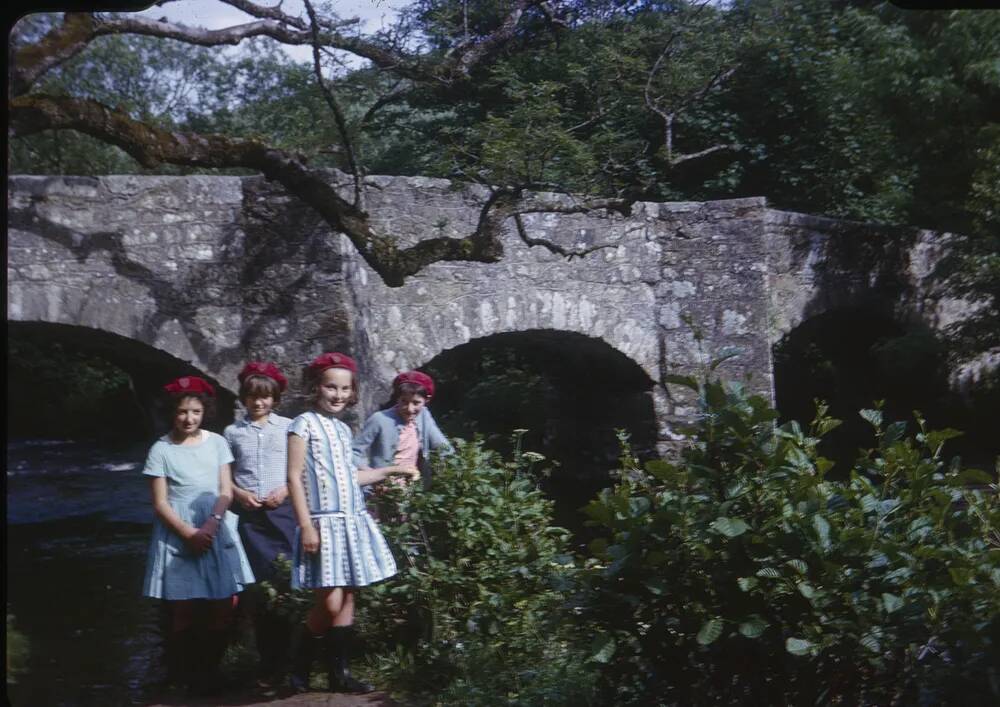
{"points": [[740, 574], [18, 650], [477, 613]]}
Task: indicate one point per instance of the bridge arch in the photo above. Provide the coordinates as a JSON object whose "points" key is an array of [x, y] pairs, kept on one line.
{"points": [[571, 393], [852, 356], [146, 367]]}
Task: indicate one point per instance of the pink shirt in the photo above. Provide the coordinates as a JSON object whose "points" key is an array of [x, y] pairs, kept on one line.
{"points": [[408, 446]]}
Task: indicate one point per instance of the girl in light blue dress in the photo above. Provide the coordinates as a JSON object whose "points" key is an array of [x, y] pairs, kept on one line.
{"points": [[195, 563], [338, 545]]}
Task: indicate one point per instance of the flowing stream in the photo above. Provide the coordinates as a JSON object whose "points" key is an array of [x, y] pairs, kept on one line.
{"points": [[78, 523]]}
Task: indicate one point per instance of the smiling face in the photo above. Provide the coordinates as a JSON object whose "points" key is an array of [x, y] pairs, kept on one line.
{"points": [[409, 405], [335, 390], [259, 406], [188, 416]]}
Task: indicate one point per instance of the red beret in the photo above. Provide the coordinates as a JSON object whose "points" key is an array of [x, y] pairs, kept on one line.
{"points": [[418, 378], [260, 368], [333, 360], [190, 384]]}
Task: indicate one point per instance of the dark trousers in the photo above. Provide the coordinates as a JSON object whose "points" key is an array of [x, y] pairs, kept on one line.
{"points": [[266, 534]]}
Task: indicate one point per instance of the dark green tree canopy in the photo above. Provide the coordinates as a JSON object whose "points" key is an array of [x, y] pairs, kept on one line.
{"points": [[854, 110]]}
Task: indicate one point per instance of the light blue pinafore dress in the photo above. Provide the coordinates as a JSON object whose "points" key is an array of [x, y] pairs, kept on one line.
{"points": [[174, 572]]}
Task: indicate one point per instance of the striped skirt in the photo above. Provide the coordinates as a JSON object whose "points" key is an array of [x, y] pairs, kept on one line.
{"points": [[352, 553]]}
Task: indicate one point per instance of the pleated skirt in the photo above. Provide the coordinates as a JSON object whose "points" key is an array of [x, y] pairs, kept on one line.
{"points": [[352, 553]]}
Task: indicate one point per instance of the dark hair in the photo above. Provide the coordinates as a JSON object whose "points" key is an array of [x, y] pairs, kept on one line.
{"points": [[258, 385], [407, 389], [311, 381], [173, 400]]}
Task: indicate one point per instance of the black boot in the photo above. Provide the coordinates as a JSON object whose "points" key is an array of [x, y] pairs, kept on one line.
{"points": [[206, 679], [271, 637], [176, 658], [339, 641], [303, 652]]}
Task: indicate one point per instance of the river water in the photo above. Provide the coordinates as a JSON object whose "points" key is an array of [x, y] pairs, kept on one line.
{"points": [[78, 524]]}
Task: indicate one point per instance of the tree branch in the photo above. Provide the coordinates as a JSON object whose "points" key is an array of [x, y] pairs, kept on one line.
{"points": [[78, 29], [468, 54], [338, 114], [151, 146], [555, 247], [60, 44], [674, 161]]}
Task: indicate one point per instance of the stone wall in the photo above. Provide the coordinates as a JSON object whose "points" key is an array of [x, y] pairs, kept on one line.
{"points": [[216, 270]]}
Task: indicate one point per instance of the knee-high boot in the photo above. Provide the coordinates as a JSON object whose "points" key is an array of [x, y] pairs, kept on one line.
{"points": [[273, 637], [206, 679], [303, 652], [176, 657], [339, 644]]}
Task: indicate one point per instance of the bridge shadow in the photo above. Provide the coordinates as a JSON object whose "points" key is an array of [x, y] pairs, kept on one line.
{"points": [[268, 265]]}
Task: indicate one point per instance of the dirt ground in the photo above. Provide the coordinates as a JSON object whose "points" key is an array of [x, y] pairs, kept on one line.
{"points": [[307, 699]]}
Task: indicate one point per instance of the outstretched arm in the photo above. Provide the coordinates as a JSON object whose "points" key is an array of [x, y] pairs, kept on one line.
{"points": [[374, 476]]}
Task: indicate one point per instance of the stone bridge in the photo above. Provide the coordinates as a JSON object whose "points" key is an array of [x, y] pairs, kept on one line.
{"points": [[205, 272]]}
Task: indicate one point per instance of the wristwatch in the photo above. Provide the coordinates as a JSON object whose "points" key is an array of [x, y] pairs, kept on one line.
{"points": [[217, 517]]}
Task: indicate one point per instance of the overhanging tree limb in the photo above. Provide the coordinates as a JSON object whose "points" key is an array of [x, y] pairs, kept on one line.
{"points": [[151, 146]]}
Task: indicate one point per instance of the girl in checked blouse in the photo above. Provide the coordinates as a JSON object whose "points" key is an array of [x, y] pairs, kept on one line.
{"points": [[338, 545]]}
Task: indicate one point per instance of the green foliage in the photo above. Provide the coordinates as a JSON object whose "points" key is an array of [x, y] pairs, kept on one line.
{"points": [[741, 574], [61, 391], [18, 650], [278, 596], [476, 614]]}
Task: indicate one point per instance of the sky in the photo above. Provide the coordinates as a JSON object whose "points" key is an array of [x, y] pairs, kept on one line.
{"points": [[212, 14]]}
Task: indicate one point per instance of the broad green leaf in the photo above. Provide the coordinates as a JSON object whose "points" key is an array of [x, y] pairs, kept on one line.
{"points": [[973, 477], [874, 417], [891, 602], [710, 630], [730, 527], [660, 469], [753, 626], [747, 583], [871, 642], [960, 575], [798, 646], [799, 459], [893, 432], [657, 585], [638, 505], [822, 528], [769, 572], [602, 648], [798, 565]]}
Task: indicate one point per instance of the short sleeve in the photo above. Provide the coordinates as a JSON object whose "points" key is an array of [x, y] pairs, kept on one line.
{"points": [[156, 461], [225, 454], [299, 427]]}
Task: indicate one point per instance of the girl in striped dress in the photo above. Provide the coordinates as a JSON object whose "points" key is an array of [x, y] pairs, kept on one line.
{"points": [[338, 546]]}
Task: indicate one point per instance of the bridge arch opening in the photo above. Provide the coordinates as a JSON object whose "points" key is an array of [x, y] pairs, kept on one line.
{"points": [[73, 382], [571, 393], [851, 358]]}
